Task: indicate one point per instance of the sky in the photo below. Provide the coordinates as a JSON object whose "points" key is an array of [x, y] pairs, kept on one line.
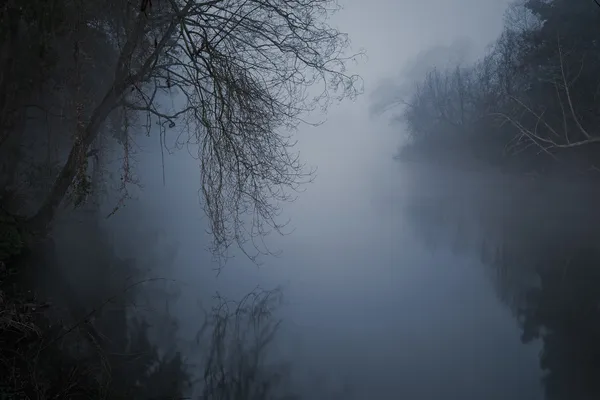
{"points": [[366, 302]]}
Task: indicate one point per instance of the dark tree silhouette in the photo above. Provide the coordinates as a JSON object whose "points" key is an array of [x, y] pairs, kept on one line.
{"points": [[563, 313], [526, 106], [243, 73]]}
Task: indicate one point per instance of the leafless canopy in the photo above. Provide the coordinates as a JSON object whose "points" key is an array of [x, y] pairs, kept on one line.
{"points": [[241, 75], [241, 71]]}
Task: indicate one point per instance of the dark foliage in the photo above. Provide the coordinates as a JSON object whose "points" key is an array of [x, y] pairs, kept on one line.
{"points": [[97, 353]]}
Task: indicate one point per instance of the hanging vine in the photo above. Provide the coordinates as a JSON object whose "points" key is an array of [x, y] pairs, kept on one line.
{"points": [[127, 177]]}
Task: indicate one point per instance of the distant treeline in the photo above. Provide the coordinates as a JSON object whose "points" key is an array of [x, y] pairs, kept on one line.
{"points": [[529, 105]]}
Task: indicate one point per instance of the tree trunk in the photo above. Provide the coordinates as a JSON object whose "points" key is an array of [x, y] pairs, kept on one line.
{"points": [[8, 85], [42, 219], [124, 77]]}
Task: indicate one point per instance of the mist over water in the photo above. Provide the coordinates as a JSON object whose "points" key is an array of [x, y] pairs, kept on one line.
{"points": [[448, 247], [381, 296]]}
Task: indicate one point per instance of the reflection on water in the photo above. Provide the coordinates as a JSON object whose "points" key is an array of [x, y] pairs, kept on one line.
{"points": [[451, 288], [539, 245], [381, 303]]}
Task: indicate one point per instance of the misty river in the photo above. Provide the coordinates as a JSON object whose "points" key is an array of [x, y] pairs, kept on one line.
{"points": [[446, 284], [415, 266]]}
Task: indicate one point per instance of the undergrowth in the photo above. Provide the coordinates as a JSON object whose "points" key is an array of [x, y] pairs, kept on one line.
{"points": [[31, 365], [42, 359]]}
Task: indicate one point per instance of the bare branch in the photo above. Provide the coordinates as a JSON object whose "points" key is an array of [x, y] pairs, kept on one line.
{"points": [[558, 138], [245, 74], [244, 68]]}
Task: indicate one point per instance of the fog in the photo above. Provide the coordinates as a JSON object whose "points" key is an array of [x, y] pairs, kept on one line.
{"points": [[366, 305], [399, 279]]}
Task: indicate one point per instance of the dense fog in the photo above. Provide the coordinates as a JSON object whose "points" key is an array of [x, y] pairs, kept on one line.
{"points": [[440, 236]]}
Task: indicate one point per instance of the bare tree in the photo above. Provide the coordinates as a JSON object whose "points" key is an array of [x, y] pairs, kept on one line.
{"points": [[242, 71], [568, 131]]}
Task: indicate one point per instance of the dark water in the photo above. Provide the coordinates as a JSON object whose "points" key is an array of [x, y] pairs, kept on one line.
{"points": [[537, 241], [450, 286], [418, 293], [488, 288]]}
